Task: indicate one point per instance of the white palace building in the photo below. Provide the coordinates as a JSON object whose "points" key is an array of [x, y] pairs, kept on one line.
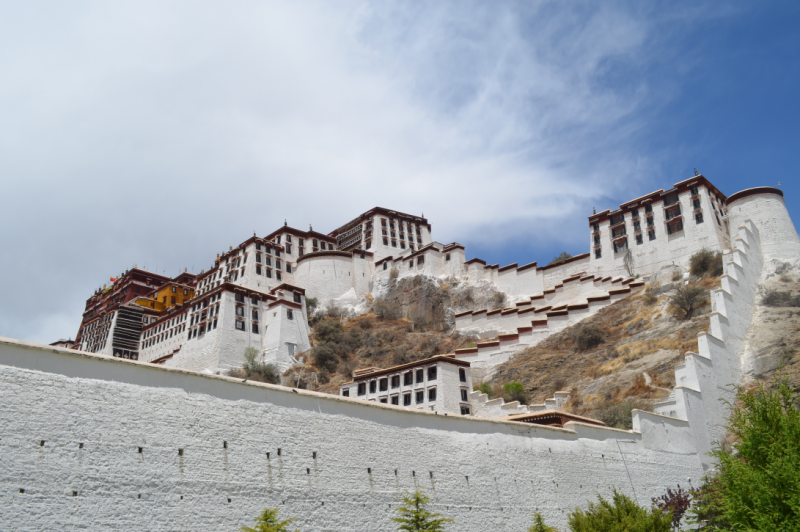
{"points": [[255, 293]]}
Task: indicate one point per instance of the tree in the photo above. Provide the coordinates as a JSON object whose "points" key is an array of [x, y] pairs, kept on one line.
{"points": [[561, 257], [268, 522], [516, 390], [623, 515], [706, 262], [414, 517], [677, 501], [259, 371], [686, 300], [759, 478], [539, 526]]}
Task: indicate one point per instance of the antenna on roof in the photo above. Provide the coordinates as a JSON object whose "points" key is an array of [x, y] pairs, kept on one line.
{"points": [[284, 222], [695, 172], [310, 228], [779, 183], [594, 211]]}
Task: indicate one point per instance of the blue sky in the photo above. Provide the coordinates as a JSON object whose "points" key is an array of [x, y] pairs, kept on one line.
{"points": [[159, 134]]}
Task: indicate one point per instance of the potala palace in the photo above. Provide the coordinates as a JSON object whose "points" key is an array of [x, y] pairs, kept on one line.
{"points": [[135, 426]]}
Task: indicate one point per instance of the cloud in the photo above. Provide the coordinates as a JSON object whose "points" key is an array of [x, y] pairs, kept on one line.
{"points": [[160, 133]]}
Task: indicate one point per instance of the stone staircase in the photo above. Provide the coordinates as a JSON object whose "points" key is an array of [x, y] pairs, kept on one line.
{"points": [[707, 379], [482, 406]]}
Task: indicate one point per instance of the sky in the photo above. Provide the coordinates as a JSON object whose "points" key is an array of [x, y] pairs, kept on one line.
{"points": [[159, 133]]}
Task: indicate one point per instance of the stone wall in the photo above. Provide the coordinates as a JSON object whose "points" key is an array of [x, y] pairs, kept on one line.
{"points": [[215, 451]]}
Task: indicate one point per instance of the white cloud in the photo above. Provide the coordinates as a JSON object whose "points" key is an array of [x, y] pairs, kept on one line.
{"points": [[160, 133]]}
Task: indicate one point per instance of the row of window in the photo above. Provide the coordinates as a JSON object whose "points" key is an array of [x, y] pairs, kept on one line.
{"points": [[164, 336], [268, 271], [394, 243], [409, 379]]}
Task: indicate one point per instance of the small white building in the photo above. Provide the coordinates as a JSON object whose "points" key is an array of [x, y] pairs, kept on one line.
{"points": [[441, 384], [384, 232]]}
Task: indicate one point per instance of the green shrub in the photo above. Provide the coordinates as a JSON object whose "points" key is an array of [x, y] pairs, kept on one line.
{"points": [[414, 517], [706, 262], [328, 331], [515, 390], [685, 300], [759, 480], [393, 273], [389, 310], [311, 305], [588, 337], [539, 526], [776, 298], [620, 514], [268, 522], [366, 323], [619, 415], [325, 357], [254, 370], [561, 257], [483, 387]]}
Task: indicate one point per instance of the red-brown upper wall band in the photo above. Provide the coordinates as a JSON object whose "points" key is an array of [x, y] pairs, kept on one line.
{"points": [[571, 259], [752, 192]]}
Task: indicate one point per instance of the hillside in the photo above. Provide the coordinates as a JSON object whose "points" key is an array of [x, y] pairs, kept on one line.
{"points": [[412, 321]]}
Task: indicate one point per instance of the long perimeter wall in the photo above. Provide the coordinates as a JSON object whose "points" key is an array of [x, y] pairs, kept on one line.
{"points": [[110, 444]]}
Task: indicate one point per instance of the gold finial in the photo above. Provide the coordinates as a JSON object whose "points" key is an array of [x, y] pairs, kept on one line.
{"points": [[230, 248], [135, 265], [217, 256], [104, 286]]}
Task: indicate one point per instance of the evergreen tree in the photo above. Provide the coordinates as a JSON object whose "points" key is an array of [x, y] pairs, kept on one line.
{"points": [[539, 526], [268, 522], [623, 515], [414, 517], [759, 479]]}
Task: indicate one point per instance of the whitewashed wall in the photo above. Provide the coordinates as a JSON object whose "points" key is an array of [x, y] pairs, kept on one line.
{"points": [[94, 413]]}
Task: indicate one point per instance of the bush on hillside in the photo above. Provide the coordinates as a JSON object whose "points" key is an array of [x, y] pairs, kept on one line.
{"points": [[588, 337], [388, 310], [254, 370], [685, 300], [483, 387], [516, 391], [619, 514], [619, 415], [706, 262], [561, 257], [393, 273], [776, 298], [329, 330], [325, 357]]}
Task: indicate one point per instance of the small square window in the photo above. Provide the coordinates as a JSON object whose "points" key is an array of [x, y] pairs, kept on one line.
{"points": [[432, 394], [373, 386], [384, 400], [406, 399], [384, 384], [447, 257], [408, 378], [420, 396], [395, 381], [346, 392], [432, 373], [239, 325], [465, 410], [396, 400], [362, 388]]}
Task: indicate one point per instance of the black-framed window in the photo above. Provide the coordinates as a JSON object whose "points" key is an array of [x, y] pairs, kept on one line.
{"points": [[255, 328], [384, 400], [462, 374], [432, 394], [408, 378], [651, 234], [639, 239], [395, 399], [373, 386], [465, 410], [420, 375], [289, 314], [395, 381], [239, 325], [432, 373], [698, 218], [406, 399], [346, 392], [464, 395], [420, 396], [384, 384], [598, 253], [362, 388]]}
